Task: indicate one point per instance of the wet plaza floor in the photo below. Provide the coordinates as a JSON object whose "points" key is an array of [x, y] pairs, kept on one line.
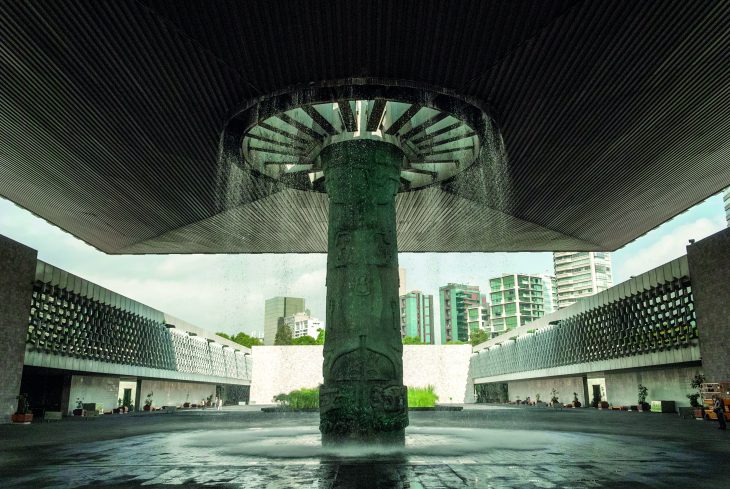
{"points": [[521, 448]]}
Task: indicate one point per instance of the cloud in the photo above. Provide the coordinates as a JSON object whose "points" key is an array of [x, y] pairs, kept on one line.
{"points": [[663, 249]]}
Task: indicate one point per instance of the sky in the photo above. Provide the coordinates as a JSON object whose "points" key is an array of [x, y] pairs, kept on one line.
{"points": [[227, 292]]}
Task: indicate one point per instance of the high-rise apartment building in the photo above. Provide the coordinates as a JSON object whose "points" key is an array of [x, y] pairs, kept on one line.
{"points": [[416, 316], [454, 301], [478, 316], [275, 310], [302, 324], [402, 281], [581, 274], [517, 299], [726, 200], [549, 294]]}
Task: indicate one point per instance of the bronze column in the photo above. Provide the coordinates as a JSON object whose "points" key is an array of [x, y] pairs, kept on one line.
{"points": [[363, 397]]}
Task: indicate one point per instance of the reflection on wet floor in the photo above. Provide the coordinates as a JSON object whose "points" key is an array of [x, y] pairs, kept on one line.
{"points": [[294, 457]]}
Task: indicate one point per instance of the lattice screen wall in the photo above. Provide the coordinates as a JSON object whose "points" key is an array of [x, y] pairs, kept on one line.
{"points": [[73, 317], [652, 320]]}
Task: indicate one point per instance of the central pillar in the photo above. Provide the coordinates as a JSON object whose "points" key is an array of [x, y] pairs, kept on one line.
{"points": [[363, 397]]}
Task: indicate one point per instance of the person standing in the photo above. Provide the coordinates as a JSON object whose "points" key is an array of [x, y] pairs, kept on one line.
{"points": [[720, 411], [220, 403]]}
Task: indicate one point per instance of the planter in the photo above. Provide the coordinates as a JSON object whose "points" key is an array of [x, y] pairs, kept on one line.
{"points": [[644, 407], [22, 418], [576, 404], [699, 413], [186, 404], [147, 407], [79, 412], [603, 405]]}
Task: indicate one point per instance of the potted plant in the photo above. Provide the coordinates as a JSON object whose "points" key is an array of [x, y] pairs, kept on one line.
{"points": [[643, 405], [576, 402], [148, 402], [79, 411], [554, 397], [696, 383], [22, 413]]}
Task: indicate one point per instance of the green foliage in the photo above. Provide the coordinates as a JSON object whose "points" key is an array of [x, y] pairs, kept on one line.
{"points": [[422, 396], [412, 340], [478, 336], [242, 339], [304, 340], [299, 399], [320, 336], [456, 342], [697, 382], [283, 334], [693, 400], [643, 391], [554, 396]]}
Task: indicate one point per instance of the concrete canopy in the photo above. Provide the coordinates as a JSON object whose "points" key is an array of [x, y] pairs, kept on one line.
{"points": [[614, 116]]}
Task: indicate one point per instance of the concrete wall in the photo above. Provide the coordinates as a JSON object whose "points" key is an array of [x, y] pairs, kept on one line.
{"points": [[709, 265], [102, 390], [278, 369], [565, 386], [446, 367], [17, 271], [172, 393], [670, 384]]}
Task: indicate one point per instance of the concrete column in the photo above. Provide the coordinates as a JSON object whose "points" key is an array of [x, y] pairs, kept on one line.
{"points": [[363, 396], [17, 273], [709, 269]]}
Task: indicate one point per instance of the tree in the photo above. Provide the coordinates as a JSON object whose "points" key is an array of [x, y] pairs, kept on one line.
{"points": [[283, 334], [320, 336], [242, 339], [412, 340], [478, 336], [304, 340]]}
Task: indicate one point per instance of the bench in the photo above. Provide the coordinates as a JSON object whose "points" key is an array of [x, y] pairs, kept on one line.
{"points": [[52, 416]]}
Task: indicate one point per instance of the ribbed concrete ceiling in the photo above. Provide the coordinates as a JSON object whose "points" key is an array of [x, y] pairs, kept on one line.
{"points": [[615, 116]]}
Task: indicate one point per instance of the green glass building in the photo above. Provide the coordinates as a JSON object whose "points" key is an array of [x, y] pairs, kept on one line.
{"points": [[455, 300], [517, 299], [416, 316], [275, 310]]}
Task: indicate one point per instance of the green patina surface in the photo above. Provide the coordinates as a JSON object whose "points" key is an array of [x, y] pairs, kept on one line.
{"points": [[363, 396]]}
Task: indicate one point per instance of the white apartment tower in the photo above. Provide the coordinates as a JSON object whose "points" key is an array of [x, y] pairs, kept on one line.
{"points": [[580, 274]]}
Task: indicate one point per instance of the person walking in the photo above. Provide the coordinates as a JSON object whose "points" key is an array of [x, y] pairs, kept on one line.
{"points": [[719, 409], [220, 403]]}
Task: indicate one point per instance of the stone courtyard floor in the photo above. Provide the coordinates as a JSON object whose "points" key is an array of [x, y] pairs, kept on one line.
{"points": [[478, 447]]}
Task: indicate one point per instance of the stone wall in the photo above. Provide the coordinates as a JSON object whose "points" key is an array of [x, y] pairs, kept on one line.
{"points": [[17, 270], [565, 386], [172, 393], [666, 384], [709, 265], [102, 390], [278, 369]]}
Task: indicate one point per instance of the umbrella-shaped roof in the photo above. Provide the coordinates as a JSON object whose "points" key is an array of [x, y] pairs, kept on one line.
{"points": [[613, 116]]}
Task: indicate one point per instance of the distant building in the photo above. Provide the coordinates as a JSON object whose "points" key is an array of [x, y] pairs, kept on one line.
{"points": [[416, 316], [302, 324], [726, 199], [455, 300], [517, 299], [549, 294], [275, 310], [402, 282], [581, 274], [478, 317]]}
